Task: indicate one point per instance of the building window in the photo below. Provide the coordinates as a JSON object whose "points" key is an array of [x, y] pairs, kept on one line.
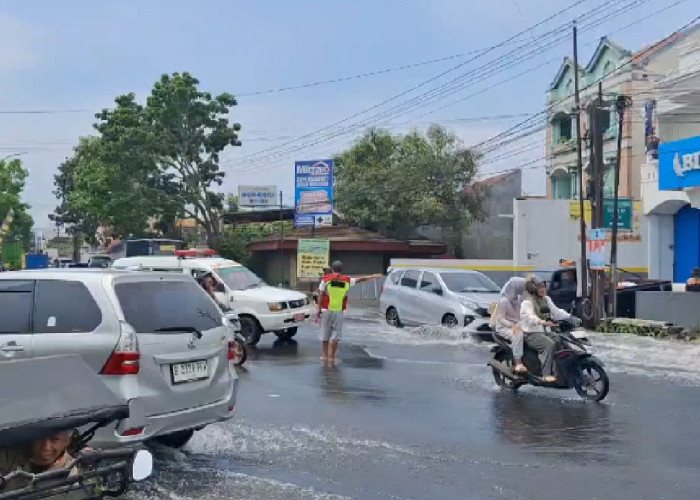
{"points": [[561, 186], [561, 129]]}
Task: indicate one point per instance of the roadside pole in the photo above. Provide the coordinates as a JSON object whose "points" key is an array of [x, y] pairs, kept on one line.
{"points": [[583, 278], [282, 238], [621, 103], [597, 209]]}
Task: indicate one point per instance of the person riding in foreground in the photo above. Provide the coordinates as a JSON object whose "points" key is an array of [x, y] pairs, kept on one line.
{"points": [[506, 318], [332, 302], [533, 321]]}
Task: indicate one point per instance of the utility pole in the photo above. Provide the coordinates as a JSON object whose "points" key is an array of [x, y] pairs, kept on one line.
{"points": [[583, 278], [597, 209], [282, 238], [620, 105]]}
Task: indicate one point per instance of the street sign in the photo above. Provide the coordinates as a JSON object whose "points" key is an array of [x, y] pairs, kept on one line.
{"points": [[313, 193], [312, 257], [596, 249], [258, 196], [324, 221], [624, 213]]}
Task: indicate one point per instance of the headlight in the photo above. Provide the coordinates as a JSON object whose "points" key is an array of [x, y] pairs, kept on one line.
{"points": [[277, 306], [469, 303]]}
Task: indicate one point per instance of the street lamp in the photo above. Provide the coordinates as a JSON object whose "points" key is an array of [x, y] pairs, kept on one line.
{"points": [[13, 155]]}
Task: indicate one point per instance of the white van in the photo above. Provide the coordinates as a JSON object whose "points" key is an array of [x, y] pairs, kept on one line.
{"points": [[260, 307]]}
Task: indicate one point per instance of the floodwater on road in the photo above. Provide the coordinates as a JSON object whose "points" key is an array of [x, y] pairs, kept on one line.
{"points": [[415, 413]]}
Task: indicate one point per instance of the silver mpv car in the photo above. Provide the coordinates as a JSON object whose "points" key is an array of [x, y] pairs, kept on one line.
{"points": [[158, 341], [440, 296]]}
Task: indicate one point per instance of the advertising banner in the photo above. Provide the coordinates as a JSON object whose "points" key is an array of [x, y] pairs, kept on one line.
{"points": [[679, 164], [312, 257], [258, 196], [313, 193], [596, 249]]}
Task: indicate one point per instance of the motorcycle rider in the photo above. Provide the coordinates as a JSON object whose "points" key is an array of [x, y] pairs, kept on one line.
{"points": [[533, 321], [506, 318]]}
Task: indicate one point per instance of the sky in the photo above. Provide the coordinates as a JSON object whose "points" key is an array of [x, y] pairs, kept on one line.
{"points": [[69, 59]]}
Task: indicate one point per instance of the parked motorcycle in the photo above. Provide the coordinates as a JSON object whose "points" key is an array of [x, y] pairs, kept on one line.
{"points": [[576, 367]]}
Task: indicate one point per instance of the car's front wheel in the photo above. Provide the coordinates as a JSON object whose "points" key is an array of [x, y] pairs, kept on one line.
{"points": [[449, 320], [250, 329], [392, 318], [176, 439]]}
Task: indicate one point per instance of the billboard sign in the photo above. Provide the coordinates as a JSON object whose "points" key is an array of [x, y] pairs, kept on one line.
{"points": [[312, 257], [313, 193], [624, 213], [258, 196], [679, 164]]}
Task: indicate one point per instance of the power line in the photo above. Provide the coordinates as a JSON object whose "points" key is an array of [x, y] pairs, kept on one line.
{"points": [[415, 87]]}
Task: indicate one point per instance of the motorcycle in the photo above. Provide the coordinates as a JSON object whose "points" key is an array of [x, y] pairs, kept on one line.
{"points": [[239, 339], [576, 367], [62, 394]]}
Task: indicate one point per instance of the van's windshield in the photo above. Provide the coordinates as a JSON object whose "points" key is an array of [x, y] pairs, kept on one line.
{"points": [[239, 277]]}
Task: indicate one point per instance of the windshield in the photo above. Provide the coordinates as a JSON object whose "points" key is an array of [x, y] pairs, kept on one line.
{"points": [[468, 282], [239, 277]]}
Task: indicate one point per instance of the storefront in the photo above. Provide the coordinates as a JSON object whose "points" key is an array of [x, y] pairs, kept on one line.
{"points": [[679, 170]]}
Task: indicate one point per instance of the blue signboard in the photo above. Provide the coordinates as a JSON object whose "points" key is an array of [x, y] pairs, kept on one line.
{"points": [[679, 164], [313, 193]]}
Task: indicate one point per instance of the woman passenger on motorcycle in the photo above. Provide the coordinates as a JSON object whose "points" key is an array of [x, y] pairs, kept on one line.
{"points": [[506, 317], [533, 321]]}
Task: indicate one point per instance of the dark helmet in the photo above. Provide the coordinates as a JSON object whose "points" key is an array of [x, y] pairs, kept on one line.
{"points": [[337, 266]]}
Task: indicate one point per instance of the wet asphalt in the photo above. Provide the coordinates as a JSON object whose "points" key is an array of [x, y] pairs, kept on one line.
{"points": [[413, 415]]}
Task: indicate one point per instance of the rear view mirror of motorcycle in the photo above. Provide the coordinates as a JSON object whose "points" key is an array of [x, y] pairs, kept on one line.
{"points": [[142, 466]]}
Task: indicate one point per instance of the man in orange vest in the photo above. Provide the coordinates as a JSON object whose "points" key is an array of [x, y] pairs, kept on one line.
{"points": [[332, 302]]}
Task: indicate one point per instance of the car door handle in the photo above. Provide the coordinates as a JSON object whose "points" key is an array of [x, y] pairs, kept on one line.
{"points": [[12, 348]]}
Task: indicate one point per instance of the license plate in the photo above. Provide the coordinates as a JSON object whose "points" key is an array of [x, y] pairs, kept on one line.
{"points": [[299, 317], [189, 372]]}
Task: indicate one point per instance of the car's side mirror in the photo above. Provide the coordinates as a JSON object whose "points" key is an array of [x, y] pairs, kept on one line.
{"points": [[220, 287], [437, 290], [142, 466]]}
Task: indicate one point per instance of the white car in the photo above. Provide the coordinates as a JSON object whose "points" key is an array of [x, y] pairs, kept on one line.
{"points": [[438, 296], [261, 308]]}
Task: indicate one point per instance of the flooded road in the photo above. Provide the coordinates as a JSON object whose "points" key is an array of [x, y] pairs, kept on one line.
{"points": [[415, 414]]}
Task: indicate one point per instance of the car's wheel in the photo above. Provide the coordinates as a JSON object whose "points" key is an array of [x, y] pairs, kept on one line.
{"points": [[449, 320], [176, 439], [392, 318], [250, 329], [241, 353], [286, 334]]}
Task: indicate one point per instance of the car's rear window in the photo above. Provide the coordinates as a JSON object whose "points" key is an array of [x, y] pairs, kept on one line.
{"points": [[394, 276], [152, 305], [65, 307]]}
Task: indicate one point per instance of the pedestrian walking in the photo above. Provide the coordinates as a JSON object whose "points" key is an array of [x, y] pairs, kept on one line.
{"points": [[332, 303]]}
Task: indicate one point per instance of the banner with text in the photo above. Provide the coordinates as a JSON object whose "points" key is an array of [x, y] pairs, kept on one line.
{"points": [[312, 257], [258, 196], [596, 249], [313, 193]]}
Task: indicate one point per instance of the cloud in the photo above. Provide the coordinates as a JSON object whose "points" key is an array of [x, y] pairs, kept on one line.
{"points": [[18, 47]]}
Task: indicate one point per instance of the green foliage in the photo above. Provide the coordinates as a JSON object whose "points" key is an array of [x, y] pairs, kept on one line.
{"points": [[394, 184], [158, 160], [234, 242], [12, 181]]}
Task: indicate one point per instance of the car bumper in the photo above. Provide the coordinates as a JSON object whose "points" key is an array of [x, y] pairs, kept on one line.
{"points": [[285, 319], [165, 423]]}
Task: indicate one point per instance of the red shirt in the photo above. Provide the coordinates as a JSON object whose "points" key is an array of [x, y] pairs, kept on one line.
{"points": [[324, 296]]}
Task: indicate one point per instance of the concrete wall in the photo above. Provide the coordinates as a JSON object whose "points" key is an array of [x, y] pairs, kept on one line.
{"points": [[545, 232], [681, 308]]}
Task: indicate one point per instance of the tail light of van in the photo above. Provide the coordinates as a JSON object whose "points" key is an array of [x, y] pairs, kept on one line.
{"points": [[124, 360]]}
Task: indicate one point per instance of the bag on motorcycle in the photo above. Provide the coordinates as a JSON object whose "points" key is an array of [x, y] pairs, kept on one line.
{"points": [[493, 310]]}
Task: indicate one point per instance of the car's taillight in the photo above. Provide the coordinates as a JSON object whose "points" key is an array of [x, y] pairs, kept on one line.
{"points": [[232, 350], [135, 431], [124, 360]]}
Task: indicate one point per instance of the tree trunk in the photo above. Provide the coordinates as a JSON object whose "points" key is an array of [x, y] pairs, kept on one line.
{"points": [[76, 245]]}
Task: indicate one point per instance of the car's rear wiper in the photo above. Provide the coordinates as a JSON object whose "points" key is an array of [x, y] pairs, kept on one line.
{"points": [[185, 329]]}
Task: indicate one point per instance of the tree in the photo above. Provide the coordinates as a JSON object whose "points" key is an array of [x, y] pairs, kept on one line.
{"points": [[395, 184], [155, 161], [12, 181]]}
